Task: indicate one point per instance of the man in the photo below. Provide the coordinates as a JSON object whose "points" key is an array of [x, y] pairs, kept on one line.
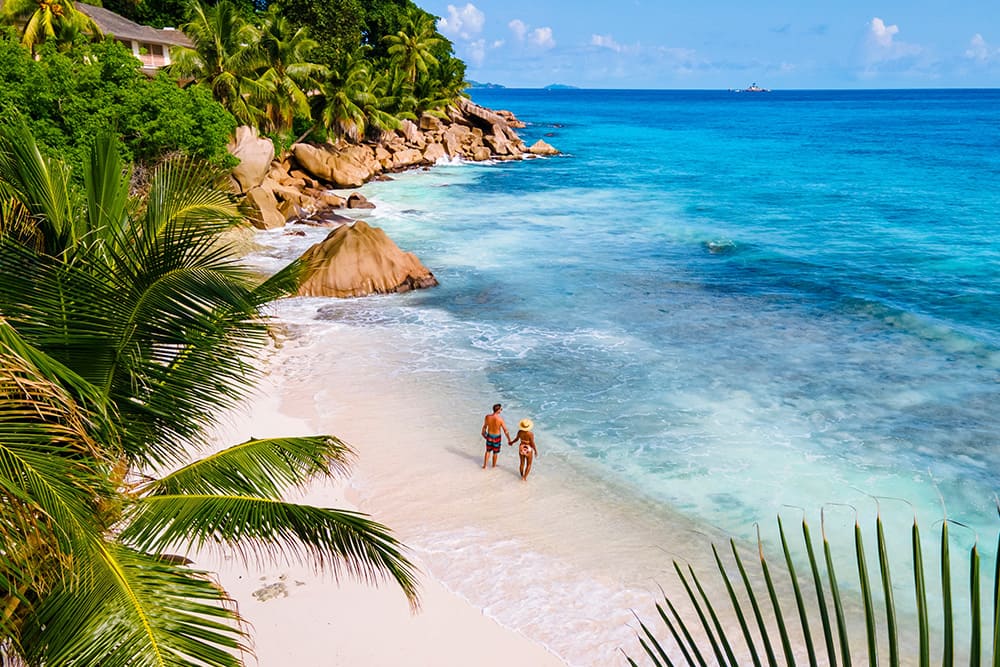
{"points": [[492, 426]]}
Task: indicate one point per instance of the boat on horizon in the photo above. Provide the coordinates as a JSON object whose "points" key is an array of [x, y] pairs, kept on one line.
{"points": [[752, 88]]}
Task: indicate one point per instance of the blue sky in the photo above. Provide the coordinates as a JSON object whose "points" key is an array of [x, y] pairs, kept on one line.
{"points": [[726, 44]]}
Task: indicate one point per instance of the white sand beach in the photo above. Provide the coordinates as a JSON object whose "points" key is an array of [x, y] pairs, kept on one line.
{"points": [[303, 617], [543, 572]]}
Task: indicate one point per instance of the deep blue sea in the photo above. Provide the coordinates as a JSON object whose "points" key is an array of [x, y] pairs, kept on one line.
{"points": [[728, 303]]}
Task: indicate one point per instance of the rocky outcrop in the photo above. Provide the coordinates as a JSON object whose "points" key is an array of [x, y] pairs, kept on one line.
{"points": [[298, 184], [358, 260], [255, 154], [358, 200], [542, 148], [263, 209]]}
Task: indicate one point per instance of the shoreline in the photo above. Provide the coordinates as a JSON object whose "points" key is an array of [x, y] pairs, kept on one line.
{"points": [[300, 616], [554, 563]]}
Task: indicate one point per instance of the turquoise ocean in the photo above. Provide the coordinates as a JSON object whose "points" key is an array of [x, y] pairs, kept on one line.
{"points": [[727, 304]]}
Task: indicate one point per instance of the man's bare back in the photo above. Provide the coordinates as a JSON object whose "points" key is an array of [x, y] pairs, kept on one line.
{"points": [[493, 425]]}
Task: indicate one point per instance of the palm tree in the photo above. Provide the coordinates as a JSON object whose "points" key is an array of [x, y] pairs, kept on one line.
{"points": [[412, 47], [819, 620], [44, 19], [289, 76], [134, 325], [352, 101], [225, 58]]}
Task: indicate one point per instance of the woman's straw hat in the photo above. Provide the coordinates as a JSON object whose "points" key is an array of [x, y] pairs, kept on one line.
{"points": [[526, 425]]}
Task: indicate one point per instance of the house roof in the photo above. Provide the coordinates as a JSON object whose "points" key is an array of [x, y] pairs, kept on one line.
{"points": [[119, 26]]}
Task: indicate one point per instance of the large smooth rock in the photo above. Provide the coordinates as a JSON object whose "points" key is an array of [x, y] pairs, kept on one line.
{"points": [[331, 167], [312, 160], [358, 260], [254, 153], [410, 131], [345, 173], [264, 209], [434, 152], [408, 157], [542, 148], [430, 123], [358, 200]]}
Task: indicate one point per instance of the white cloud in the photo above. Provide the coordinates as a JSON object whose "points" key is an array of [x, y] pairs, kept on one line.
{"points": [[519, 28], [542, 37], [980, 50], [497, 44], [477, 51], [883, 42], [881, 33], [605, 42], [462, 22]]}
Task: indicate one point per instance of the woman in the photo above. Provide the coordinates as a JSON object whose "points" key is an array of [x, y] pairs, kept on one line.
{"points": [[526, 448]]}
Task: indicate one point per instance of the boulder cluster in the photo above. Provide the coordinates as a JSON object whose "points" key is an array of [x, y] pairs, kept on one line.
{"points": [[296, 187]]}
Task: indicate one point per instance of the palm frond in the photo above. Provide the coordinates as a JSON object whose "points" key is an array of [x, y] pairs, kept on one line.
{"points": [[262, 530], [52, 475], [265, 468], [106, 183], [878, 628], [42, 186], [136, 610]]}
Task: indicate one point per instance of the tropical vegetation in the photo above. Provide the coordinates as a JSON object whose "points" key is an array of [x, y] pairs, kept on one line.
{"points": [[747, 622], [271, 71], [125, 328], [67, 98], [345, 69]]}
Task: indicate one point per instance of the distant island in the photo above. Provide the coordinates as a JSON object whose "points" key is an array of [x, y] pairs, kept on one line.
{"points": [[476, 84], [560, 86]]}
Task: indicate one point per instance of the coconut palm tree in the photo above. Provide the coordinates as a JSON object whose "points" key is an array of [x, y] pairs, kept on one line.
{"points": [[225, 58], [45, 19], [412, 47], [130, 319], [818, 621], [288, 76], [352, 102]]}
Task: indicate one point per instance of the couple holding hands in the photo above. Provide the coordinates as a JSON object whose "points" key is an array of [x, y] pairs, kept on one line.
{"points": [[494, 425]]}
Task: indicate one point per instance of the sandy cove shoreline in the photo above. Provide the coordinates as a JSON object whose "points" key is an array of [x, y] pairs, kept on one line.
{"points": [[305, 618], [523, 571], [542, 573]]}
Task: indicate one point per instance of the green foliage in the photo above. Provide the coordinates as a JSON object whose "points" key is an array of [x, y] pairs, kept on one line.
{"points": [[125, 329], [879, 616], [54, 21], [335, 25], [68, 98]]}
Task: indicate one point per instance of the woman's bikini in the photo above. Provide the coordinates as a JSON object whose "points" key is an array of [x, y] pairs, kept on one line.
{"points": [[526, 442]]}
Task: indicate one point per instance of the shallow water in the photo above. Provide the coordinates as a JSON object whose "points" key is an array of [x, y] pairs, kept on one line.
{"points": [[721, 305]]}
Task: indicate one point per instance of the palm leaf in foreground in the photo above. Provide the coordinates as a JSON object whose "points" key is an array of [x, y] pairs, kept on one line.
{"points": [[263, 530], [878, 628], [262, 467], [135, 610]]}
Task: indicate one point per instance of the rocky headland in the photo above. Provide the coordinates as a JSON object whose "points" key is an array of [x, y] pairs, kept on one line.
{"points": [[296, 188]]}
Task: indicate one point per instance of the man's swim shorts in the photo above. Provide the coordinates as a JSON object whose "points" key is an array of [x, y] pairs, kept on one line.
{"points": [[493, 442]]}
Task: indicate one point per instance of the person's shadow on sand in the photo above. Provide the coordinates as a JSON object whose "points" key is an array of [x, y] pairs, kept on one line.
{"points": [[466, 454]]}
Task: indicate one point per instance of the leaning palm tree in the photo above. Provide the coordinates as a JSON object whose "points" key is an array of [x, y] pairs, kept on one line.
{"points": [[818, 623], [47, 19], [140, 317], [288, 76], [225, 58], [412, 47]]}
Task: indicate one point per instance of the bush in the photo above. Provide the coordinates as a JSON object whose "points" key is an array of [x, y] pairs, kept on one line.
{"points": [[67, 98]]}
